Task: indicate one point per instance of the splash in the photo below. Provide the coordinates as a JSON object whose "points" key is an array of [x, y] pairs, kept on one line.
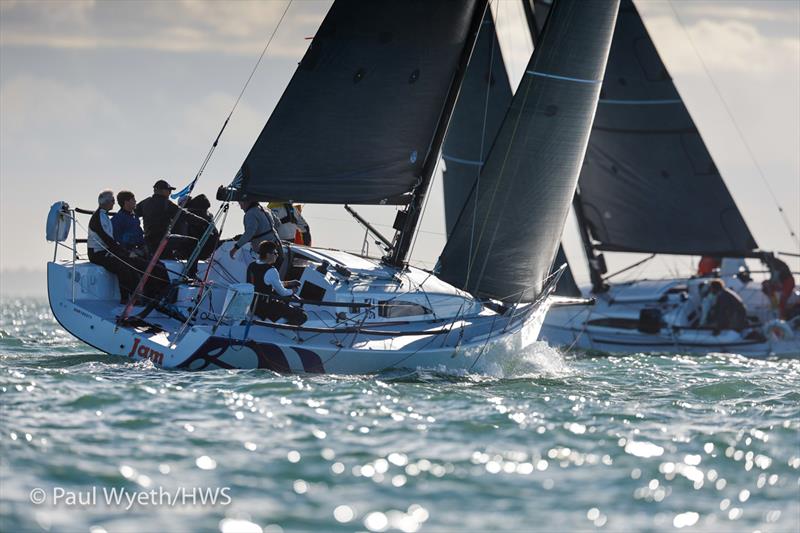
{"points": [[536, 360]]}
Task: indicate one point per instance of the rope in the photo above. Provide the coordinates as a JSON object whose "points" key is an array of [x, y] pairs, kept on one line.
{"points": [[761, 174], [424, 207]]}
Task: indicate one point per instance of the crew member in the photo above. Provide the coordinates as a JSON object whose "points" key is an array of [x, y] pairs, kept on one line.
{"points": [[780, 284], [127, 228], [197, 222], [293, 227], [259, 224], [107, 252], [267, 283], [708, 264], [302, 224], [157, 212], [728, 311]]}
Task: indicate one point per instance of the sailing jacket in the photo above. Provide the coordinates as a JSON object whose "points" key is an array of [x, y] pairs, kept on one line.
{"points": [[729, 311], [156, 212], [259, 225], [127, 229], [101, 235]]}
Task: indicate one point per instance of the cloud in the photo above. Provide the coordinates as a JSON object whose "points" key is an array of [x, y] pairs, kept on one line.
{"points": [[724, 46], [241, 27], [37, 105], [73, 13], [740, 10], [202, 120]]}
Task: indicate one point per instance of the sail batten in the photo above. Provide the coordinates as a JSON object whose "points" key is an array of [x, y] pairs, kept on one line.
{"points": [[510, 226], [649, 183], [356, 122]]}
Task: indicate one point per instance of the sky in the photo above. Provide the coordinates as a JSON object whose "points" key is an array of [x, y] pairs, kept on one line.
{"points": [[118, 94]]}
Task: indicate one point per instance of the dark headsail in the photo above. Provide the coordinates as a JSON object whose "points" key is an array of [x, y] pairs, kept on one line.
{"points": [[566, 283], [482, 103], [356, 122], [511, 224], [648, 182]]}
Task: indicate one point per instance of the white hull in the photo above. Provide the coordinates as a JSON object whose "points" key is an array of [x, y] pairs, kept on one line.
{"points": [[465, 342], [612, 325]]}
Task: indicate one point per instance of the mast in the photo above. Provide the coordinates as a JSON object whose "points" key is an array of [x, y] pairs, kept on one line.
{"points": [[408, 219], [595, 262], [530, 17]]}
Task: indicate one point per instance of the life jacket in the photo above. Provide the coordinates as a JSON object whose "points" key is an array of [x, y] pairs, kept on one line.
{"points": [[255, 275]]}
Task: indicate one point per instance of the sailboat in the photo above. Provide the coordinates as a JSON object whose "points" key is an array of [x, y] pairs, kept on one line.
{"points": [[362, 121], [649, 185]]}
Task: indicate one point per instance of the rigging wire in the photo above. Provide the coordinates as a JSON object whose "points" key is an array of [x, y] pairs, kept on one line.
{"points": [[761, 174], [190, 187], [470, 256], [483, 132]]}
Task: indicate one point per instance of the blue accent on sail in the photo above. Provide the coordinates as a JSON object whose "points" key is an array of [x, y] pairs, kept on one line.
{"points": [[564, 78], [649, 183], [462, 161]]}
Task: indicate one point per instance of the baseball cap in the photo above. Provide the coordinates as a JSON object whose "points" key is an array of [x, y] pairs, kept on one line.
{"points": [[162, 185]]}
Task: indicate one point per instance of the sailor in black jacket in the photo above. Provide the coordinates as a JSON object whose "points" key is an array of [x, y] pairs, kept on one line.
{"points": [[272, 292], [156, 212], [105, 251]]}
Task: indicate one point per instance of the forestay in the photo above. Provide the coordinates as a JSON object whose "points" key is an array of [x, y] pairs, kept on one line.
{"points": [[649, 183], [512, 221], [356, 121]]}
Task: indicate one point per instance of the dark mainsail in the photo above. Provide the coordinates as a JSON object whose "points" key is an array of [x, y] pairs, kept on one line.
{"points": [[356, 122], [482, 103], [648, 183], [510, 226]]}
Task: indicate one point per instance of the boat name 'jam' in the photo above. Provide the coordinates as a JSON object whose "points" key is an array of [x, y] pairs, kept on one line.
{"points": [[145, 352]]}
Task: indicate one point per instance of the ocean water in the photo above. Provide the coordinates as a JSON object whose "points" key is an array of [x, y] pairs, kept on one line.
{"points": [[544, 442]]}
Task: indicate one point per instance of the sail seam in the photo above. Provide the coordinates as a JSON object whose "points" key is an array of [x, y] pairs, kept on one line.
{"points": [[563, 78]]}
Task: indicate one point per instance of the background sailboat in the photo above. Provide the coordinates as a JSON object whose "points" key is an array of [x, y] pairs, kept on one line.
{"points": [[649, 185]]}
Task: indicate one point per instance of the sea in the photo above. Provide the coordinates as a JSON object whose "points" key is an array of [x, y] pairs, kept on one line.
{"points": [[546, 441]]}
